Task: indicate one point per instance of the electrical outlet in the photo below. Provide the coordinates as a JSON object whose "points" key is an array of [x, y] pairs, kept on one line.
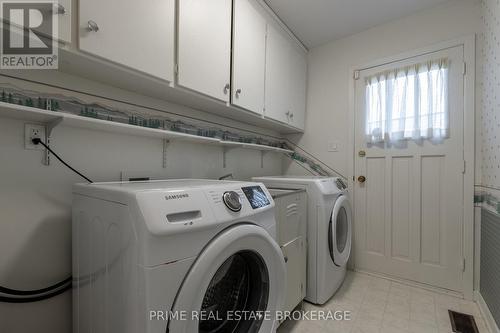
{"points": [[32, 131]]}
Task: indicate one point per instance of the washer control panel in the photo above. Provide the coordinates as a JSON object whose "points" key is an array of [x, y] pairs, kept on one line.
{"points": [[256, 196], [239, 200]]}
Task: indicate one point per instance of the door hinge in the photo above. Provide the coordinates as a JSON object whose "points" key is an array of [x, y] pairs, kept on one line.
{"points": [[356, 75], [176, 68], [464, 167], [464, 71], [463, 264]]}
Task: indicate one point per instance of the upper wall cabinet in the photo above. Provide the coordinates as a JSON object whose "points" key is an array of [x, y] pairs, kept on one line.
{"points": [[204, 47], [139, 35], [286, 74], [249, 56]]}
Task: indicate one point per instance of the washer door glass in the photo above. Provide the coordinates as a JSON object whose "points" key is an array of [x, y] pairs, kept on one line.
{"points": [[240, 284], [234, 283], [340, 231]]}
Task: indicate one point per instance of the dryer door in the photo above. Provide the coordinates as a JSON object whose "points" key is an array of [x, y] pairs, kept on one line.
{"points": [[235, 285], [340, 231]]}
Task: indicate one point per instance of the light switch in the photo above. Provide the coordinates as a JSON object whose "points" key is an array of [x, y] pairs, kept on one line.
{"points": [[333, 146]]}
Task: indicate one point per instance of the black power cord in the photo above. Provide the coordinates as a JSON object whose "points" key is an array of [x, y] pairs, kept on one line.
{"points": [[27, 296], [37, 141]]}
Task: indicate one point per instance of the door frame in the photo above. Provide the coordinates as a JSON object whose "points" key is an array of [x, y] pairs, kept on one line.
{"points": [[469, 46]]}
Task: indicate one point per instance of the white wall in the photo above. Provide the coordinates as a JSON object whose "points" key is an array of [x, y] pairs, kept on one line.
{"points": [[330, 71], [35, 200]]}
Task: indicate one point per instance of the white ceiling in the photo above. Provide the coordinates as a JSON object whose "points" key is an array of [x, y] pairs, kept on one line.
{"points": [[316, 22]]}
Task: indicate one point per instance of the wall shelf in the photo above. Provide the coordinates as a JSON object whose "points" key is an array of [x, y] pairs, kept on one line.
{"points": [[54, 118]]}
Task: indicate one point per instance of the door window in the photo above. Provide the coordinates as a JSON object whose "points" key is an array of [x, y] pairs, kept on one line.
{"points": [[409, 102]]}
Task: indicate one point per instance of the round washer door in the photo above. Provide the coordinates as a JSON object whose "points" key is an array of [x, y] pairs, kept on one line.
{"points": [[340, 231], [236, 282]]}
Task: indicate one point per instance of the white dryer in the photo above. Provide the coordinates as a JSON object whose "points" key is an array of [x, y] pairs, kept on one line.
{"points": [[179, 256], [329, 231]]}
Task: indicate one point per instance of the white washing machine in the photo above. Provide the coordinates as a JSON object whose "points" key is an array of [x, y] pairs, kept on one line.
{"points": [[175, 256], [329, 231]]}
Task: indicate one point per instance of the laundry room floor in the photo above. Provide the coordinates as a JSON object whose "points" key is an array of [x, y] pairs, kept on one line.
{"points": [[382, 306]]}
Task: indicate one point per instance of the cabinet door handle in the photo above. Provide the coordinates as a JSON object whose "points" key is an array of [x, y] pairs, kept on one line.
{"points": [[237, 93], [287, 114], [92, 26], [226, 88], [291, 115], [60, 10]]}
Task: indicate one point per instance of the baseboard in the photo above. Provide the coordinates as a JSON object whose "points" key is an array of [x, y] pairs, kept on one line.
{"points": [[485, 312], [412, 283]]}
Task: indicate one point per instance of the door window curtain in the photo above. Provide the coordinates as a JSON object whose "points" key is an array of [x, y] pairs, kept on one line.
{"points": [[409, 103]]}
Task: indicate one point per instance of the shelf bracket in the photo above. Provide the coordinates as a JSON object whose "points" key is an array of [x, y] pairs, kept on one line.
{"points": [[166, 143], [48, 132]]}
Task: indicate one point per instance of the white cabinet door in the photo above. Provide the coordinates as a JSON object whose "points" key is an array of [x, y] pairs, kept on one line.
{"points": [[62, 12], [277, 104], [139, 35], [249, 56], [295, 273], [204, 47], [298, 83]]}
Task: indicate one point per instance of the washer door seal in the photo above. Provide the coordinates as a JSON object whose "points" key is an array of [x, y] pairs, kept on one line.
{"points": [[340, 231]]}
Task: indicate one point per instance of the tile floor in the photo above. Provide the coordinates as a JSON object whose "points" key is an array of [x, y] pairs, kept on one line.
{"points": [[382, 306]]}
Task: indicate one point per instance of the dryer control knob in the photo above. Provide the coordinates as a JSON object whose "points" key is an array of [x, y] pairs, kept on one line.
{"points": [[232, 201]]}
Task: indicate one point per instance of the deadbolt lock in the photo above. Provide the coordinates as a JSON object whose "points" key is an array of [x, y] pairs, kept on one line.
{"points": [[361, 179], [362, 153]]}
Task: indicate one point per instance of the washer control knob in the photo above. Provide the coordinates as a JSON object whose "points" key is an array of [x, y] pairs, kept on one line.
{"points": [[232, 200]]}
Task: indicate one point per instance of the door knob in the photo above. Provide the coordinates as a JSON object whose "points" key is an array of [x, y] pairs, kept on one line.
{"points": [[361, 179], [92, 26]]}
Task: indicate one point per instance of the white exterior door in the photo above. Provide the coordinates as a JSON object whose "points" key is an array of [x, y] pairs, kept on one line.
{"points": [[137, 35], [249, 56], [408, 211], [204, 47]]}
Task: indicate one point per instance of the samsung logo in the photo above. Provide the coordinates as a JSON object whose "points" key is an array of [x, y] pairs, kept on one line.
{"points": [[176, 196]]}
